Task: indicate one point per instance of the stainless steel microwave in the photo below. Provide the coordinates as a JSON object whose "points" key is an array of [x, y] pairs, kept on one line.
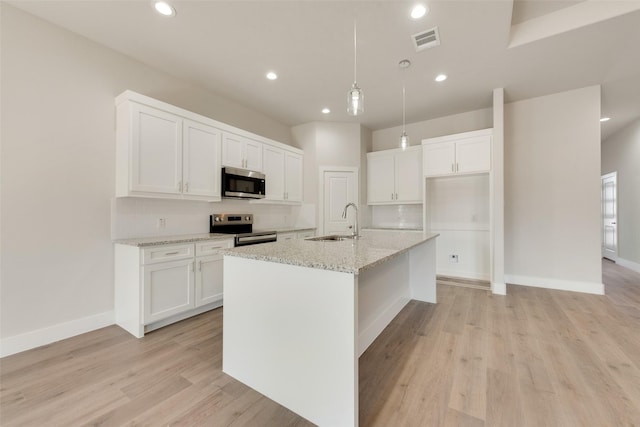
{"points": [[242, 183]]}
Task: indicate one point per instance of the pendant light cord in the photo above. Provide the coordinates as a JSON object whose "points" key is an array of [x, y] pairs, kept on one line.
{"points": [[403, 108], [355, 51]]}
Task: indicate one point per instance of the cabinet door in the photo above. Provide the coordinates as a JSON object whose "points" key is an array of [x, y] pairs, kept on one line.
{"points": [[232, 150], [168, 289], [286, 236], [156, 163], [201, 160], [208, 280], [253, 155], [293, 177], [439, 158], [380, 178], [473, 155], [408, 169], [274, 173]]}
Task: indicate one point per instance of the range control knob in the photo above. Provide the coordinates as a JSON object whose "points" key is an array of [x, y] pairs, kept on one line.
{"points": [[247, 218], [216, 218]]}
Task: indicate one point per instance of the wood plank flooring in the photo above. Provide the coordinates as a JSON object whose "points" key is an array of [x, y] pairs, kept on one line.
{"points": [[533, 358]]}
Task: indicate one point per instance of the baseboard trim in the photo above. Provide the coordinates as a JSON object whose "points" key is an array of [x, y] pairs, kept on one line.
{"points": [[50, 334], [463, 274], [499, 288], [557, 284], [628, 264]]}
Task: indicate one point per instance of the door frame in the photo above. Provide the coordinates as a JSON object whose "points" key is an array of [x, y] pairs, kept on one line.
{"points": [[322, 171], [602, 178]]}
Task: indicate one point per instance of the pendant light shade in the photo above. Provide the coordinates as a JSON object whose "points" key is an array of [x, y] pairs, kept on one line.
{"points": [[404, 139], [355, 97]]}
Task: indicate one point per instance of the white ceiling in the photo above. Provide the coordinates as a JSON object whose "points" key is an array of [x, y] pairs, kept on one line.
{"points": [[228, 46]]}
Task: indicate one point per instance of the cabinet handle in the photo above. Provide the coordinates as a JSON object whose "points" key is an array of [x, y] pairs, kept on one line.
{"points": [[452, 168], [391, 196], [186, 187], [172, 253], [199, 265], [180, 186], [457, 169]]}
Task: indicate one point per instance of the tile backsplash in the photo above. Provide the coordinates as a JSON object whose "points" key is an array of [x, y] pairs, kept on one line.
{"points": [[141, 217], [396, 216]]}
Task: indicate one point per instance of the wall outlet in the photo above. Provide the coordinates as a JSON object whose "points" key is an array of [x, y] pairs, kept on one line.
{"points": [[453, 259], [161, 223]]}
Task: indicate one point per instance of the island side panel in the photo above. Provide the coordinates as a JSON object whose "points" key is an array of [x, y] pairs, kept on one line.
{"points": [[423, 271], [290, 333], [383, 291]]}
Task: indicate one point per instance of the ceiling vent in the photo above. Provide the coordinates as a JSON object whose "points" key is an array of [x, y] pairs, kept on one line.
{"points": [[426, 39]]}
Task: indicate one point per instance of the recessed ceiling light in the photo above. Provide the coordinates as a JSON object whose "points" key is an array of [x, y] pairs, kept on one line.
{"points": [[441, 77], [326, 111], [271, 75], [605, 119], [164, 8], [418, 11]]}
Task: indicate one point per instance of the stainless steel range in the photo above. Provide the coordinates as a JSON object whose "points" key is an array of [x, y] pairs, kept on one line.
{"points": [[242, 226]]}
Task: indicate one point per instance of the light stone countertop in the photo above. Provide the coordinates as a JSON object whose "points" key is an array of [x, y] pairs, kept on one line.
{"points": [[346, 256], [190, 238]]}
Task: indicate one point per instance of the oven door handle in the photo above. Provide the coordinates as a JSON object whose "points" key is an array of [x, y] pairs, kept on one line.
{"points": [[252, 240]]}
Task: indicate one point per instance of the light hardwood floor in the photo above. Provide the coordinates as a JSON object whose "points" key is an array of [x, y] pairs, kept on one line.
{"points": [[533, 358]]}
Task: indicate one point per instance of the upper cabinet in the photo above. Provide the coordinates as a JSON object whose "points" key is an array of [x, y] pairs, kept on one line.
{"points": [[241, 152], [283, 172], [160, 154], [463, 153], [164, 151], [394, 176]]}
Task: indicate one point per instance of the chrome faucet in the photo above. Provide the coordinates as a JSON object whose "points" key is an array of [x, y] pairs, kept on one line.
{"points": [[355, 233]]}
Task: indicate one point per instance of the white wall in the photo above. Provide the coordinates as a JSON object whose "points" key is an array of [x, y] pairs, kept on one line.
{"points": [[58, 148], [621, 153], [385, 139], [332, 144], [552, 191]]}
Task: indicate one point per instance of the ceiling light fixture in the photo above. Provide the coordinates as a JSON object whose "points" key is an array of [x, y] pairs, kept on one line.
{"points": [[326, 111], [355, 97], [164, 8], [404, 139], [418, 11], [271, 75], [441, 77], [605, 119]]}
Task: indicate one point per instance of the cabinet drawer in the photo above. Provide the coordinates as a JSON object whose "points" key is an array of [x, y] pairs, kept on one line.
{"points": [[212, 247], [167, 253]]}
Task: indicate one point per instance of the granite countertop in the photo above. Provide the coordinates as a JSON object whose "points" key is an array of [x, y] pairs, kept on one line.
{"points": [[192, 238], [347, 256]]}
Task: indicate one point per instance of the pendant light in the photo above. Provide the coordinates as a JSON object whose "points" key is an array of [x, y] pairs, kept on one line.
{"points": [[355, 97], [404, 139]]}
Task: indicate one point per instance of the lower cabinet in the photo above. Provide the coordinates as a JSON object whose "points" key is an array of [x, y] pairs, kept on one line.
{"points": [[291, 235], [159, 285]]}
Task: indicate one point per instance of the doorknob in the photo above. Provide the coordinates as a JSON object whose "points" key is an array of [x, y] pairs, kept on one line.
{"points": [[613, 223]]}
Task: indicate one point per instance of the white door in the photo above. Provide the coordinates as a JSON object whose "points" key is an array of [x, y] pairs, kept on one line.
{"points": [[609, 217], [473, 154], [201, 155], [253, 155], [340, 186], [232, 150], [439, 158]]}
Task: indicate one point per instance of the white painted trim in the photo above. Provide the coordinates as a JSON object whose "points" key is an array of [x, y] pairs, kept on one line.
{"points": [[458, 136], [464, 274], [558, 284], [629, 264], [322, 170], [50, 334], [499, 288]]}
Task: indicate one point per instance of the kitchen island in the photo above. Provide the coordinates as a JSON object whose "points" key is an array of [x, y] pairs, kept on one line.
{"points": [[298, 314]]}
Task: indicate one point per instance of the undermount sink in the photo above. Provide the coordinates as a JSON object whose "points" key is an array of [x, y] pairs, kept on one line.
{"points": [[332, 238]]}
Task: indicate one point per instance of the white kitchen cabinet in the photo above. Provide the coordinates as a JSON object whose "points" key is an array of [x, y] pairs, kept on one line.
{"points": [[290, 235], [394, 176], [241, 152], [457, 154], [159, 285], [159, 154], [208, 286], [305, 234], [156, 150], [168, 289], [283, 172], [201, 160]]}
